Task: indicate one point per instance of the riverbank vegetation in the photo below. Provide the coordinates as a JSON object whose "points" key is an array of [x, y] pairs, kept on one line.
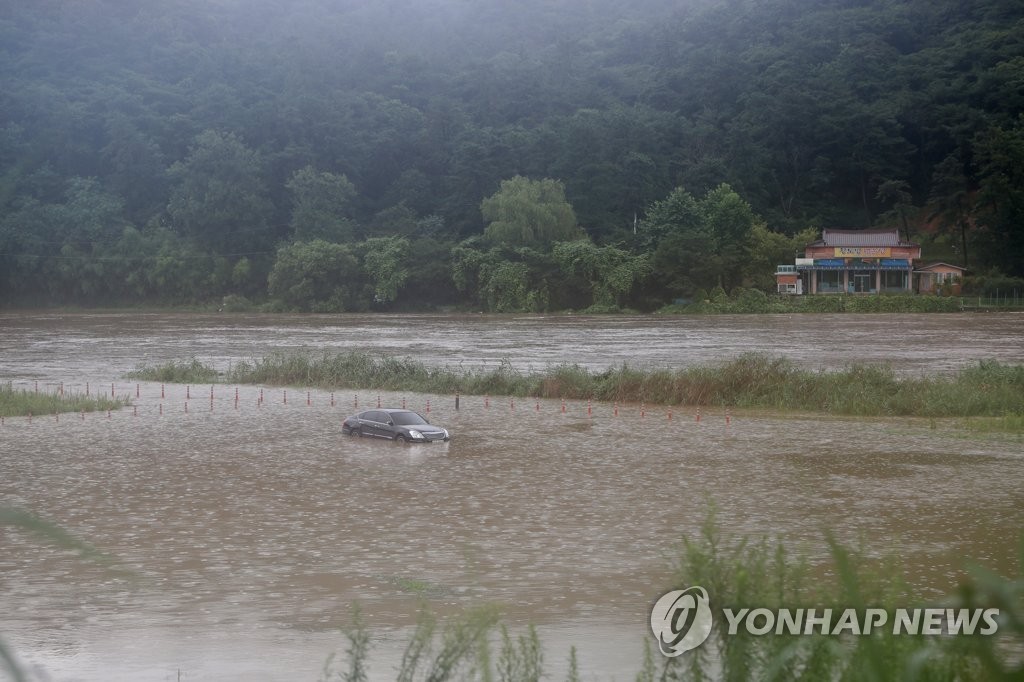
{"points": [[184, 372], [751, 381], [496, 156], [20, 402], [747, 301]]}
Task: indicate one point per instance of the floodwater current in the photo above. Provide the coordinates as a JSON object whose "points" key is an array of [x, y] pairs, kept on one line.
{"points": [[235, 535]]}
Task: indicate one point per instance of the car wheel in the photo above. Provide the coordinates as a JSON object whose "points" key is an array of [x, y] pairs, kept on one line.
{"points": [[400, 439], [356, 432]]}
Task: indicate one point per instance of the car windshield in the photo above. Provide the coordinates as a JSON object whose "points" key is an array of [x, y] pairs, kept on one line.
{"points": [[407, 418]]}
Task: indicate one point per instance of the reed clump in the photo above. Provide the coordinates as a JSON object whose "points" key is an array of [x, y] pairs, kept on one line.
{"points": [[19, 402], [174, 372], [759, 381]]}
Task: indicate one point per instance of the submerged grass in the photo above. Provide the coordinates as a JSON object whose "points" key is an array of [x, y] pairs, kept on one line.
{"points": [[1012, 424], [988, 389], [17, 402]]}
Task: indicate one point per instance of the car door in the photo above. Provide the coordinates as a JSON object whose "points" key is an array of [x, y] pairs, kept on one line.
{"points": [[387, 425], [376, 424]]}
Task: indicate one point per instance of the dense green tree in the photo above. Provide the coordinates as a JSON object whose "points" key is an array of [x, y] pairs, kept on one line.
{"points": [[91, 214], [768, 249], [728, 220], [321, 205], [137, 169], [506, 287], [503, 279], [316, 276], [526, 212], [467, 261], [182, 272], [58, 251], [953, 203], [218, 197], [386, 262], [895, 194], [430, 283], [613, 161], [611, 272], [394, 220], [702, 243], [678, 212], [1000, 157]]}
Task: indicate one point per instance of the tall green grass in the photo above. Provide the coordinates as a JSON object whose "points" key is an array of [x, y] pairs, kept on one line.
{"points": [[18, 402], [763, 573], [750, 381], [184, 372]]}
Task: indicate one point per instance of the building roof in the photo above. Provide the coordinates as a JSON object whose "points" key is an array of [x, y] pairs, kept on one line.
{"points": [[884, 237], [931, 266]]}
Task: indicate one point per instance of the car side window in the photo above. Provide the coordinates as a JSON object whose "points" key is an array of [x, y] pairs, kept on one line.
{"points": [[375, 417]]}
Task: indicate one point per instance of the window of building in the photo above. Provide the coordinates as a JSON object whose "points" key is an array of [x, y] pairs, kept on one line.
{"points": [[894, 280], [830, 281]]}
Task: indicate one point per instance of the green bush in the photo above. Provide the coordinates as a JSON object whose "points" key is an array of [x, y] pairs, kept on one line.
{"points": [[991, 285]]}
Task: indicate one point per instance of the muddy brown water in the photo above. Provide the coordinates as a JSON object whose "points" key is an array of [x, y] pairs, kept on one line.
{"points": [[237, 535]]}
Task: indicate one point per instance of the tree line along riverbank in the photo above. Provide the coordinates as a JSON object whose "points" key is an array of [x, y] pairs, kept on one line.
{"points": [[987, 389]]}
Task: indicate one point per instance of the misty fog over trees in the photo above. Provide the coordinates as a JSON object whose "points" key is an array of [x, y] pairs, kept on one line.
{"points": [[345, 155]]}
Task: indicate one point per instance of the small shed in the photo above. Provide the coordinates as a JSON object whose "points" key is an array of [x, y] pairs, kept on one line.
{"points": [[935, 278]]}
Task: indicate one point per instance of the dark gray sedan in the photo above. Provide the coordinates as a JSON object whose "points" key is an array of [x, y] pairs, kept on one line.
{"points": [[393, 424]]}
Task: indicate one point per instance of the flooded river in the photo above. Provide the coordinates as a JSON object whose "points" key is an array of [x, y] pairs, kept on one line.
{"points": [[237, 534]]}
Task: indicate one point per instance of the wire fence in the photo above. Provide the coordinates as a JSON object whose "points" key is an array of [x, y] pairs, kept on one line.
{"points": [[1001, 300]]}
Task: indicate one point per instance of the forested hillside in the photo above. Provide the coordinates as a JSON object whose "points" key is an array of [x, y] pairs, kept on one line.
{"points": [[354, 155]]}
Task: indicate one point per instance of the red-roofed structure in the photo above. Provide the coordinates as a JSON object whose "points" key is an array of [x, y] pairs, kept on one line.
{"points": [[934, 277], [852, 262]]}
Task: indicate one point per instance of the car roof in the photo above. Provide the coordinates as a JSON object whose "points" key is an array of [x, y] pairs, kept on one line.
{"points": [[389, 410]]}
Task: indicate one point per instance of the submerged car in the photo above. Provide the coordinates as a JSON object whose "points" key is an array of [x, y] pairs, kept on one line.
{"points": [[394, 424]]}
